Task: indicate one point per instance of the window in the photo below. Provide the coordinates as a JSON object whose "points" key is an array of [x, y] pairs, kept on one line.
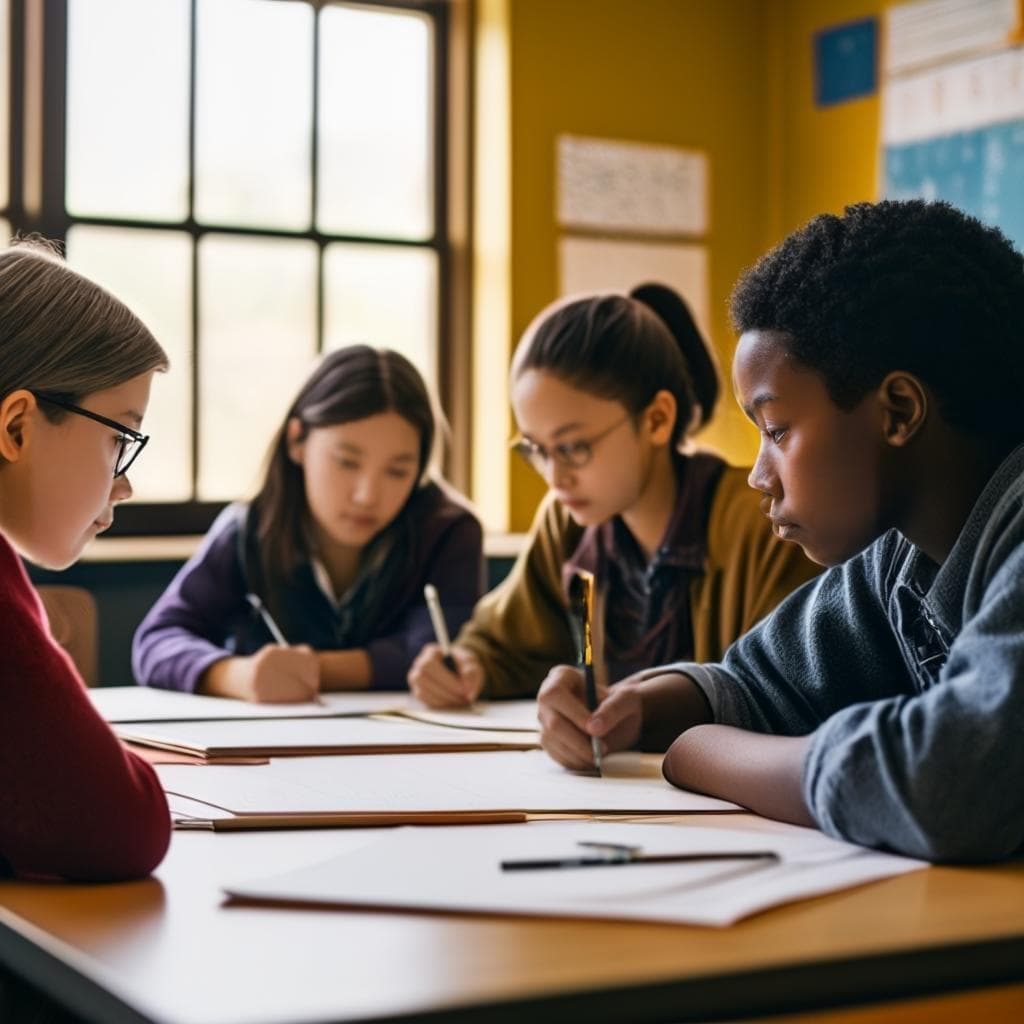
{"points": [[261, 181]]}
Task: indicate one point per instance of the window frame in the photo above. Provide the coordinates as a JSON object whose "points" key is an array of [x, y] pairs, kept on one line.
{"points": [[38, 86]]}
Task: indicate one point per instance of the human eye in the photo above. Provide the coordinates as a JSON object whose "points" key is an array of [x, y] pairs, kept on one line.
{"points": [[775, 434], [397, 473], [346, 463], [575, 452]]}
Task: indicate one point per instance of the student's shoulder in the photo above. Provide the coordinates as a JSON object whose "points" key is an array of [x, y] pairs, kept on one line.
{"points": [[223, 535], [735, 509]]}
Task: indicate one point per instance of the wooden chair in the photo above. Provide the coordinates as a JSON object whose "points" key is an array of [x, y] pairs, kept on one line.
{"points": [[74, 622]]}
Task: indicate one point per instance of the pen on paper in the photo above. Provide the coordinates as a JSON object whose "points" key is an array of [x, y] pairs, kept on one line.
{"points": [[440, 627], [620, 857], [274, 629], [582, 595]]}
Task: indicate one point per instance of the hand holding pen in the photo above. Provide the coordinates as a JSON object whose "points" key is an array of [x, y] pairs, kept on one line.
{"points": [[568, 727], [444, 675], [284, 673]]}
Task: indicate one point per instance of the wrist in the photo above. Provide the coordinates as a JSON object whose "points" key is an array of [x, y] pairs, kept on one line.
{"points": [[220, 678], [671, 703]]}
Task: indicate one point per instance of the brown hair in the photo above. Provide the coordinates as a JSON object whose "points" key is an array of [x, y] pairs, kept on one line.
{"points": [[349, 384], [62, 334], [627, 349]]}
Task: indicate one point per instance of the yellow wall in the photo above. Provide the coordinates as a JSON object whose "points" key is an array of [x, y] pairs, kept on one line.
{"points": [[731, 77], [827, 157]]}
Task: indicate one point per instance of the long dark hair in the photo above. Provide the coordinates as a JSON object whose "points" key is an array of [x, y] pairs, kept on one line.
{"points": [[627, 349], [350, 384]]}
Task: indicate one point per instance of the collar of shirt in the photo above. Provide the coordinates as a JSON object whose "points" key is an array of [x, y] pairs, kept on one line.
{"points": [[684, 543]]}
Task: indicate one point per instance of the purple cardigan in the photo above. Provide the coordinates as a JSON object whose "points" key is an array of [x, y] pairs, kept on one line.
{"points": [[203, 615]]}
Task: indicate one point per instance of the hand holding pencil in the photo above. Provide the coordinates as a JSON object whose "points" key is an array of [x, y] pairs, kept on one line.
{"points": [[444, 675], [569, 729]]}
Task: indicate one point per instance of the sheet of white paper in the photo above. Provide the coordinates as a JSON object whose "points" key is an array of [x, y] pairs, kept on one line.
{"points": [[516, 715], [145, 704], [459, 869], [499, 781], [265, 737]]}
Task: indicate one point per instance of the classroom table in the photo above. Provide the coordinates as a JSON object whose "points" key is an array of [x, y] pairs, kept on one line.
{"points": [[169, 950]]}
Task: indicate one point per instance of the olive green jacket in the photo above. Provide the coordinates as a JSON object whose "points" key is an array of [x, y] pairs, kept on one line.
{"points": [[520, 630]]}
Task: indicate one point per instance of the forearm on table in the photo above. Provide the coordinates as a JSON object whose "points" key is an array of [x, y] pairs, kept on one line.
{"points": [[672, 703], [758, 771]]}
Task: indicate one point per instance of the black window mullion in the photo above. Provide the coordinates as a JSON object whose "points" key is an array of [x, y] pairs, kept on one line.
{"points": [[53, 218], [194, 319], [314, 177], [15, 116], [195, 516]]}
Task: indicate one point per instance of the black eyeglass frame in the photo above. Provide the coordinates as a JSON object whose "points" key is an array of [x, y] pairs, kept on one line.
{"points": [[122, 463], [573, 454]]}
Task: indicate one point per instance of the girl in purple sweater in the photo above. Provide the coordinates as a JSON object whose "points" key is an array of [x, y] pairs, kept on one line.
{"points": [[317, 584]]}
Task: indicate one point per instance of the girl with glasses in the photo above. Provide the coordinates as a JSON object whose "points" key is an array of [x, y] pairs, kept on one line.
{"points": [[317, 584], [75, 373], [606, 390]]}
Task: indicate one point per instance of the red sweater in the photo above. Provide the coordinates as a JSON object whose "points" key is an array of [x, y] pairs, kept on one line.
{"points": [[74, 803]]}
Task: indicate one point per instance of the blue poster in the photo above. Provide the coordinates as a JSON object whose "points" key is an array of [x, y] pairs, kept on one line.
{"points": [[845, 62], [981, 171]]}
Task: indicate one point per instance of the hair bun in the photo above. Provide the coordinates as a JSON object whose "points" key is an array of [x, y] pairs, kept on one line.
{"points": [[671, 308]]}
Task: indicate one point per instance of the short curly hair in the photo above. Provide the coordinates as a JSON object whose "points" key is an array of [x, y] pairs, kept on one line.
{"points": [[900, 285]]}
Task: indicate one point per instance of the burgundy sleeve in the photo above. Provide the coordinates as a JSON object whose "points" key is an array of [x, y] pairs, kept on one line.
{"points": [[74, 803]]}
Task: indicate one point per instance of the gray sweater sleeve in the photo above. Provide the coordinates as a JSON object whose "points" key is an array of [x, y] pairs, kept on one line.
{"points": [[934, 772], [807, 660], [940, 774]]}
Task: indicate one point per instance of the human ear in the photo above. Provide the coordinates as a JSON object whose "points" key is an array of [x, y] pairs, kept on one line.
{"points": [[660, 417], [15, 410], [904, 404], [295, 439]]}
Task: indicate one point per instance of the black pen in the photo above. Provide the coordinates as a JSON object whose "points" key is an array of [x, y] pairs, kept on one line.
{"points": [[440, 627], [621, 859]]}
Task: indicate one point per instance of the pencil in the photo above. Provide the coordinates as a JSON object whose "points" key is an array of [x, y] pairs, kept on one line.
{"points": [[275, 631], [440, 627], [583, 601]]}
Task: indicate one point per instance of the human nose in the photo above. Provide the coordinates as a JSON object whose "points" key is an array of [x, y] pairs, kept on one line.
{"points": [[762, 476], [365, 492], [554, 471], [121, 489]]}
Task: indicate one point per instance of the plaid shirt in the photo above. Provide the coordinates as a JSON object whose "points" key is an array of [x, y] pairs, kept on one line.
{"points": [[647, 618]]}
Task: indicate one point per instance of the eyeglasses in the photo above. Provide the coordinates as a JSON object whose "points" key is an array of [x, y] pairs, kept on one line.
{"points": [[131, 442], [574, 454]]}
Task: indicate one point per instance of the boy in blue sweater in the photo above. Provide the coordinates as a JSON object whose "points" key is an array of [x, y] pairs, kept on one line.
{"points": [[882, 359]]}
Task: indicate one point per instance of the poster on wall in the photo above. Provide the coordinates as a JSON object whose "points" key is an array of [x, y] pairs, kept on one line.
{"points": [[607, 185], [588, 265], [956, 132]]}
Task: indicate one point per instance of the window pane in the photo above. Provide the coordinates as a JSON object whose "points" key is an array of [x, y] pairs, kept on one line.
{"points": [[385, 296], [254, 113], [127, 113], [375, 148], [257, 343], [151, 271], [5, 116]]}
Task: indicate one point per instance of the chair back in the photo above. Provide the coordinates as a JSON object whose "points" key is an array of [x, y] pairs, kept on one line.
{"points": [[74, 623]]}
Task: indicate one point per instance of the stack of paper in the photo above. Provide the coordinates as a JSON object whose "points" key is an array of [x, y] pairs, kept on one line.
{"points": [[459, 870], [291, 737], [144, 704], [416, 788]]}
